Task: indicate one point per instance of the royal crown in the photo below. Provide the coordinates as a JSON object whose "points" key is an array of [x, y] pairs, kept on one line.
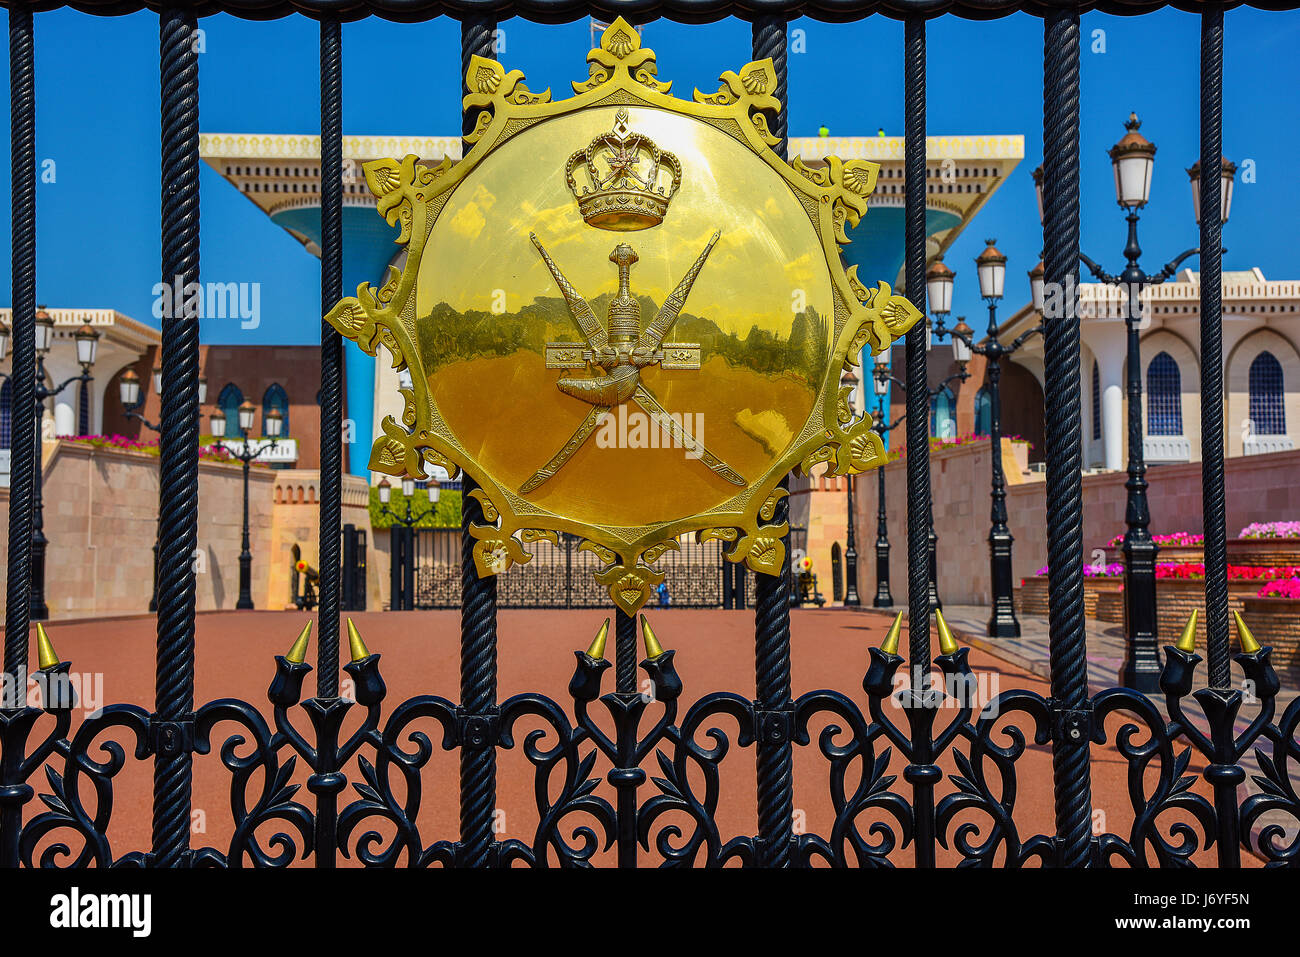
{"points": [[622, 180]]}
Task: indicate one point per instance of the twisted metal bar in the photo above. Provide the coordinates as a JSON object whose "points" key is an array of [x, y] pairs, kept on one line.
{"points": [[624, 651], [775, 757], [179, 463], [331, 354], [1067, 638], [23, 437], [478, 612], [918, 388], [1213, 503]]}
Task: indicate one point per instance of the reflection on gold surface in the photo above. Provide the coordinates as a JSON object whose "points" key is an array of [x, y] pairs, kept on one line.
{"points": [[758, 352], [619, 263]]}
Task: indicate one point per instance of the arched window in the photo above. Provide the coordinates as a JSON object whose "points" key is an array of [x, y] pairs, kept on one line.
{"points": [[230, 400], [276, 400], [983, 413], [942, 423], [6, 414], [1096, 400], [1267, 411], [1164, 396]]}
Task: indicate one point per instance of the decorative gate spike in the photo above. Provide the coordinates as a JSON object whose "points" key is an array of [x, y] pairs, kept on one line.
{"points": [[356, 646], [45, 656], [597, 647], [1187, 640], [652, 647], [1248, 643], [890, 645], [298, 653]]}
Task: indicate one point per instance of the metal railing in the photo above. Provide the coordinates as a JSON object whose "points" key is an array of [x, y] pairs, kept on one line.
{"points": [[914, 815]]}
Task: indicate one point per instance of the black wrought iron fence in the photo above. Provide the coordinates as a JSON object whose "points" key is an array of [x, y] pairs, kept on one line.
{"points": [[673, 817]]}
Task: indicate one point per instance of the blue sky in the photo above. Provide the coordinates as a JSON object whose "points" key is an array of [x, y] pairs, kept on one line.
{"points": [[97, 103]]}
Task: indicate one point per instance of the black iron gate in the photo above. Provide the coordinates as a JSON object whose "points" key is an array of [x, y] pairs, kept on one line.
{"points": [[353, 584], [912, 813], [427, 574]]}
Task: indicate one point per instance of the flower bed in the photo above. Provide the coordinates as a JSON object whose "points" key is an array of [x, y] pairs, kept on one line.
{"points": [[1270, 530], [125, 443]]}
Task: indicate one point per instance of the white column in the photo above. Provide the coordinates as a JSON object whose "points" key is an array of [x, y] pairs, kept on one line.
{"points": [[1106, 339], [65, 412]]}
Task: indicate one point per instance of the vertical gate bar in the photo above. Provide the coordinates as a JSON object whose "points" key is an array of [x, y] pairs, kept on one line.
{"points": [[478, 609], [1213, 502], [918, 400], [179, 438], [331, 352], [624, 651], [24, 435], [775, 756], [1067, 637]]}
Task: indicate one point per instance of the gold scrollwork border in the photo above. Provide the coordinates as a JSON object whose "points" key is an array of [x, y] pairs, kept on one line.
{"points": [[620, 71]]}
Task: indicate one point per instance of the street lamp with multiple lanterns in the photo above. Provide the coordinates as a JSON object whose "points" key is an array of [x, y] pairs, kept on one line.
{"points": [[410, 519], [883, 597], [272, 424], [87, 341], [128, 388], [1133, 161], [991, 268]]}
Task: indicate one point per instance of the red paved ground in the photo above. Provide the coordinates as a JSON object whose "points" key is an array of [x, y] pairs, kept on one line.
{"points": [[714, 651]]}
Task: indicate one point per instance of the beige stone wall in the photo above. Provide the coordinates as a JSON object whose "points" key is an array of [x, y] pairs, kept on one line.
{"points": [[100, 517], [1261, 488], [295, 521]]}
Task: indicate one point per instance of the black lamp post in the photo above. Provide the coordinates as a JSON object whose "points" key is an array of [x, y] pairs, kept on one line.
{"points": [[128, 389], [402, 564], [273, 421], [87, 341], [410, 519], [991, 266], [851, 599], [1133, 159], [883, 597], [883, 379]]}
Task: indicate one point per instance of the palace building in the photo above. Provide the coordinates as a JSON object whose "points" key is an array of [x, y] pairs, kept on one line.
{"points": [[1261, 372]]}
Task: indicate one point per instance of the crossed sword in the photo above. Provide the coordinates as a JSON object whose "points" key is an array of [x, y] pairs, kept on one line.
{"points": [[648, 351]]}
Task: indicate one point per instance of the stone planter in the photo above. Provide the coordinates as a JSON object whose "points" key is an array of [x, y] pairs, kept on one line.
{"points": [[1177, 597], [1264, 551], [1032, 596], [1103, 598], [1276, 622], [1176, 554]]}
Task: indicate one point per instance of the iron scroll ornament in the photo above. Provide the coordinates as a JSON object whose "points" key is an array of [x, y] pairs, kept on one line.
{"points": [[623, 180]]}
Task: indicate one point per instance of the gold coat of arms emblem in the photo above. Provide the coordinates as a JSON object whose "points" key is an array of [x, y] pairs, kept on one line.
{"points": [[624, 316]]}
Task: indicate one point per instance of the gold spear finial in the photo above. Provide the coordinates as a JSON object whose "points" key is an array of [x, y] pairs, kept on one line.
{"points": [[298, 653], [1187, 640], [1248, 643], [355, 645], [597, 647], [45, 656], [890, 645], [652, 647], [947, 643]]}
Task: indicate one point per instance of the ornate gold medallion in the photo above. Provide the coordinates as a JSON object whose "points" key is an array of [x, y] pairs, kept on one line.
{"points": [[625, 317]]}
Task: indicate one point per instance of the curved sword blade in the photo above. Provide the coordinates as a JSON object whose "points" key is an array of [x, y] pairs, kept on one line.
{"points": [[561, 457], [650, 404]]}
